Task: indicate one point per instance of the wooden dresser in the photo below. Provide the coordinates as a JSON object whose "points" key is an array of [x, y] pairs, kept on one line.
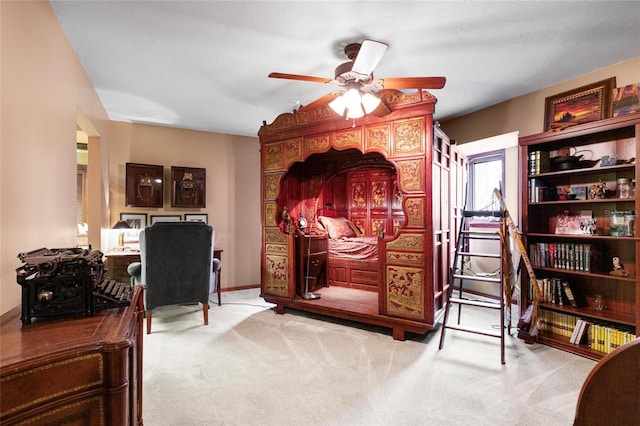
{"points": [[77, 370]]}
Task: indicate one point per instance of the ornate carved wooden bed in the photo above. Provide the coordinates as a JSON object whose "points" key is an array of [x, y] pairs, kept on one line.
{"points": [[393, 182]]}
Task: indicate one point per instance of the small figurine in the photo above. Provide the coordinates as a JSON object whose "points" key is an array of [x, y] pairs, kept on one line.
{"points": [[596, 191], [618, 268], [286, 220]]}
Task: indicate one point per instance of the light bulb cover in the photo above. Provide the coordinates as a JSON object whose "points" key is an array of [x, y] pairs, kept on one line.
{"points": [[356, 112], [338, 105], [370, 102], [354, 104]]}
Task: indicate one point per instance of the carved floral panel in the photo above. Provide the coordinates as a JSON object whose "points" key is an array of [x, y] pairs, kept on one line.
{"points": [[412, 175], [350, 138], [292, 151], [273, 157], [358, 195], [273, 235], [408, 137], [405, 258], [405, 291], [276, 274], [278, 249], [316, 144], [379, 194], [415, 212], [407, 242], [378, 139], [271, 185], [269, 213]]}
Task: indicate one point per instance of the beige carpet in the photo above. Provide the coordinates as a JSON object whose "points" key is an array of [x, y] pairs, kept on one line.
{"points": [[251, 366]]}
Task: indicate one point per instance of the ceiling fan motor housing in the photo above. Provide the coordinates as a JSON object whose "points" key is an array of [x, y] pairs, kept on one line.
{"points": [[344, 74]]}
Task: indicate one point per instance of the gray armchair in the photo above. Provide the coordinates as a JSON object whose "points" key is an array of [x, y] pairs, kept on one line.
{"points": [[176, 265]]}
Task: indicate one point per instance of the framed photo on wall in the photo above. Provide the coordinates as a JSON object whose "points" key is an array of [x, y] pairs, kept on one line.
{"points": [[582, 105], [188, 187], [135, 220], [165, 218], [198, 217], [144, 185]]}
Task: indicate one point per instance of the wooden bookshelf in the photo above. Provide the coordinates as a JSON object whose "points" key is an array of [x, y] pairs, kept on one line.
{"points": [[621, 293]]}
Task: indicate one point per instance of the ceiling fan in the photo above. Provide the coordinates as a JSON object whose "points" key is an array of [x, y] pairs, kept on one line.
{"points": [[355, 78]]}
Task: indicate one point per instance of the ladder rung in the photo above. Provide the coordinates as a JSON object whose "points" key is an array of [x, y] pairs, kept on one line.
{"points": [[466, 253], [482, 213], [476, 232], [474, 330], [477, 278], [477, 303]]}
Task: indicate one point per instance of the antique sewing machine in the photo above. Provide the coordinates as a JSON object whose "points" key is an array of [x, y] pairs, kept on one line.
{"points": [[66, 281]]}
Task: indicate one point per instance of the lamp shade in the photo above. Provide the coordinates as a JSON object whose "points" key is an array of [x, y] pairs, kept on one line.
{"points": [[354, 104], [121, 224]]}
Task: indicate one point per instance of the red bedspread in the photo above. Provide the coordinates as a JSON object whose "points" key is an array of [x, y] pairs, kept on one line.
{"points": [[365, 247]]}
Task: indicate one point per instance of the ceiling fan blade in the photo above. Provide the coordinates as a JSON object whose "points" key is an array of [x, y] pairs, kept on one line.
{"points": [[320, 101], [300, 77], [368, 57], [414, 83]]}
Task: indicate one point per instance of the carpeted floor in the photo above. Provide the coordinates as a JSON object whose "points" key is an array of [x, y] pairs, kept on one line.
{"points": [[251, 366]]}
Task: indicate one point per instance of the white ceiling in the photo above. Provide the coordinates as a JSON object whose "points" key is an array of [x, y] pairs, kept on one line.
{"points": [[203, 65]]}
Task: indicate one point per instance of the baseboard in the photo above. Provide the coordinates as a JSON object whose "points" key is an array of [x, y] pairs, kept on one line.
{"points": [[241, 287]]}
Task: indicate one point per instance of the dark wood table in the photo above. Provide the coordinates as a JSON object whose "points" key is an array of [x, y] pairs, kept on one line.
{"points": [[76, 370]]}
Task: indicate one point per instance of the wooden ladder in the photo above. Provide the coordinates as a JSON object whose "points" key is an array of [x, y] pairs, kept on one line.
{"points": [[458, 274]]}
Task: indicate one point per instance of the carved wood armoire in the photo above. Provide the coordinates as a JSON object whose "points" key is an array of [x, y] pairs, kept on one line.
{"points": [[394, 176]]}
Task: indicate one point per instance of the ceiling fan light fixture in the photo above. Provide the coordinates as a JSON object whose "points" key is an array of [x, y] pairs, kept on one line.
{"points": [[338, 105], [370, 102], [354, 104], [356, 112]]}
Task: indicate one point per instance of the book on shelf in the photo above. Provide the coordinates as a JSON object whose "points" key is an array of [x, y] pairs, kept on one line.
{"points": [[572, 295], [578, 332], [538, 162]]}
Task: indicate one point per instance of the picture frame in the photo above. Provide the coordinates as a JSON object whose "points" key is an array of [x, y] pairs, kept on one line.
{"points": [[165, 218], [626, 100], [144, 185], [198, 217], [582, 105], [188, 187], [135, 220]]}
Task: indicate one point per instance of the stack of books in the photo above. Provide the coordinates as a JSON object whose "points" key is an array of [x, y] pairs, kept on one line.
{"points": [[571, 256]]}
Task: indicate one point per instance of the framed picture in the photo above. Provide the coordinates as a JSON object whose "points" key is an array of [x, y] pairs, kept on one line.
{"points": [[626, 100], [165, 218], [188, 187], [135, 220], [198, 217], [582, 105], [144, 185]]}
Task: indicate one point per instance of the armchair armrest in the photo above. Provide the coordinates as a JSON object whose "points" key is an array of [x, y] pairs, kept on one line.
{"points": [[135, 270]]}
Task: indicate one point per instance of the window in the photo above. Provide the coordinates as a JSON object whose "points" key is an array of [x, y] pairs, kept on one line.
{"points": [[486, 173]]}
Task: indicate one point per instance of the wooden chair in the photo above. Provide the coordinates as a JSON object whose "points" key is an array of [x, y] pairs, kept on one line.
{"points": [[610, 394]]}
